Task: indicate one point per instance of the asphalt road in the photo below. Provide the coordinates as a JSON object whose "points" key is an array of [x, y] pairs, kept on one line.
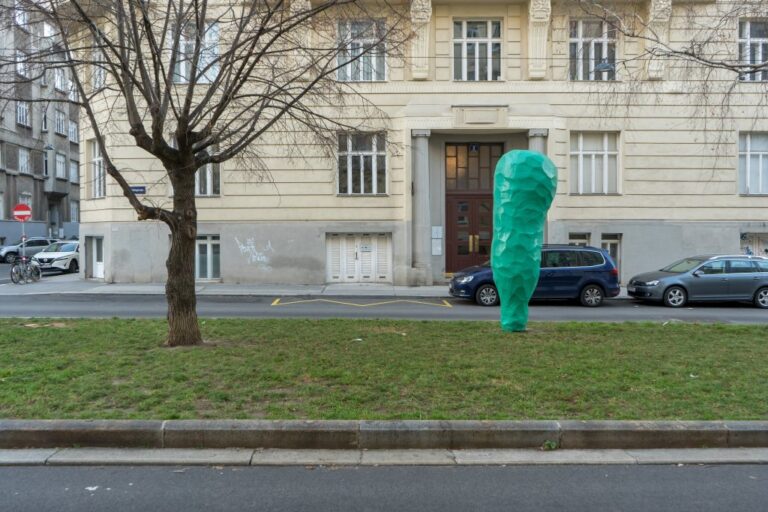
{"points": [[132, 306], [339, 489]]}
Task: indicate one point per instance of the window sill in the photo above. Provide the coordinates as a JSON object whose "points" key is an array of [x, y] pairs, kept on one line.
{"points": [[207, 196], [753, 195], [362, 81], [595, 194], [362, 195]]}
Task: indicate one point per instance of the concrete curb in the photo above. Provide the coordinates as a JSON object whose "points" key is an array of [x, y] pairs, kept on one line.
{"points": [[389, 435]]}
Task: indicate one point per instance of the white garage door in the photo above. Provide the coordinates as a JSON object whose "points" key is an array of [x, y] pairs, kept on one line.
{"points": [[359, 258]]}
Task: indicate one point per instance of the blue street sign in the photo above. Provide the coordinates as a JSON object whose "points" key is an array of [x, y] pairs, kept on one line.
{"points": [[138, 189]]}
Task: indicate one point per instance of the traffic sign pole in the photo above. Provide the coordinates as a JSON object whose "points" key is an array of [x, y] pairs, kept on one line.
{"points": [[22, 213]]}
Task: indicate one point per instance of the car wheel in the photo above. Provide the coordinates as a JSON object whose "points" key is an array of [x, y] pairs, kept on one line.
{"points": [[73, 267], [487, 295], [591, 296], [675, 297], [10, 257], [761, 298]]}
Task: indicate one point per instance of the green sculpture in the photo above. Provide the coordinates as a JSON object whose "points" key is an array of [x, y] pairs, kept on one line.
{"points": [[524, 186]]}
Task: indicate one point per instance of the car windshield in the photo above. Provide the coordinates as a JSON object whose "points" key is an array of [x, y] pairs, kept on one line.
{"points": [[61, 247], [683, 265]]}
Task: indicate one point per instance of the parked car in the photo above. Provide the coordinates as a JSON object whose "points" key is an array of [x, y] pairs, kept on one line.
{"points": [[705, 278], [34, 244], [567, 272], [64, 256]]}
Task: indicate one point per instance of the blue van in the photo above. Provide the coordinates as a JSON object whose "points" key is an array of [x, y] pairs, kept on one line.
{"points": [[567, 272]]}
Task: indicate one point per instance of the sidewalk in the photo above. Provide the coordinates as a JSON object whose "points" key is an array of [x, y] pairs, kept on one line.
{"points": [[73, 284]]}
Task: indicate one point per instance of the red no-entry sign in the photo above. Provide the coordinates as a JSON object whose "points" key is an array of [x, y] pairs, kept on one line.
{"points": [[22, 212]]}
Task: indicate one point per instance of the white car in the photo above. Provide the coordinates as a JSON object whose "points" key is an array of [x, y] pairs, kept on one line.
{"points": [[64, 256]]}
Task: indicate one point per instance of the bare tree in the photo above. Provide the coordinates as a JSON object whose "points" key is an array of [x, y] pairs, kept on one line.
{"points": [[193, 83]]}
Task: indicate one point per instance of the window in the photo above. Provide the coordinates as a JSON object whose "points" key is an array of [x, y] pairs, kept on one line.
{"points": [[208, 181], [45, 163], [555, 259], [590, 258], [581, 239], [363, 52], [753, 163], [61, 123], [753, 48], [73, 132], [74, 211], [25, 198], [22, 114], [48, 30], [44, 120], [611, 242], [362, 163], [713, 267], [741, 267], [44, 77], [58, 79], [2, 156], [74, 171], [762, 265], [477, 50], [207, 257], [61, 165], [20, 15], [98, 73], [24, 163], [99, 179], [72, 91], [592, 50], [22, 64], [594, 163], [208, 65]]}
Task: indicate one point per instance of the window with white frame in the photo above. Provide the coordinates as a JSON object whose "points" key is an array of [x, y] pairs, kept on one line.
{"points": [[60, 123], [208, 180], [48, 30], [74, 171], [208, 257], [61, 165], [20, 14], [98, 176], [477, 50], [45, 164], [753, 48], [74, 211], [22, 64], [363, 52], [592, 50], [594, 163], [207, 65], [58, 79], [44, 77], [25, 165], [23, 116], [753, 163], [362, 163], [74, 136], [580, 239], [72, 91], [25, 198], [44, 120]]}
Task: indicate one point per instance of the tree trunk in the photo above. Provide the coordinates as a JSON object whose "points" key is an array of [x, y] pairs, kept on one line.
{"points": [[183, 328]]}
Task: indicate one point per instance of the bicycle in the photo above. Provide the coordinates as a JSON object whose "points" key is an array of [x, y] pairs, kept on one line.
{"points": [[22, 271]]}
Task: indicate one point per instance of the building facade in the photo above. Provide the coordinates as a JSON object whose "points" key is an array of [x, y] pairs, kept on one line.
{"points": [[39, 137], [648, 169]]}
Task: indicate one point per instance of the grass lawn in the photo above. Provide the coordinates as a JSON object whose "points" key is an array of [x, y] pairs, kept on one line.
{"points": [[363, 369]]}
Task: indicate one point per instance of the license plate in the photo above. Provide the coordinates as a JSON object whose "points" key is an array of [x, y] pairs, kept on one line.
{"points": [[631, 289]]}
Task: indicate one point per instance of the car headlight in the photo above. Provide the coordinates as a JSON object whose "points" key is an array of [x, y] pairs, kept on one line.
{"points": [[464, 279], [655, 282], [61, 258]]}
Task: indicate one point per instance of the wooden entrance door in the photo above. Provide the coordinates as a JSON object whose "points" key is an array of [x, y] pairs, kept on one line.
{"points": [[469, 172]]}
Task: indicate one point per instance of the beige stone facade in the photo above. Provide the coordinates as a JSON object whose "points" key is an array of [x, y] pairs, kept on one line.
{"points": [[649, 164]]}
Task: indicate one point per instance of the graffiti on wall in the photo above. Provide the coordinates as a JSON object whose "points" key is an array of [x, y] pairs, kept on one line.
{"points": [[255, 256]]}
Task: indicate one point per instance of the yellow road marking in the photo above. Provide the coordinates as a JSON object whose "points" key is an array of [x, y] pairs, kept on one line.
{"points": [[444, 303]]}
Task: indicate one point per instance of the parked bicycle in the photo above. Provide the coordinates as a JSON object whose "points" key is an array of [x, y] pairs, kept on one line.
{"points": [[25, 271]]}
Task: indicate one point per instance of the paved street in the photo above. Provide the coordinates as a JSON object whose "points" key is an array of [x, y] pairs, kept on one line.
{"points": [[445, 489], [431, 308]]}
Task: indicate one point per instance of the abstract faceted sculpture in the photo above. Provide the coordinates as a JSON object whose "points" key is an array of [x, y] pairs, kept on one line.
{"points": [[524, 186]]}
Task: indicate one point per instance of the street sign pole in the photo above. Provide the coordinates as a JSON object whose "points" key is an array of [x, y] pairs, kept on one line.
{"points": [[22, 213]]}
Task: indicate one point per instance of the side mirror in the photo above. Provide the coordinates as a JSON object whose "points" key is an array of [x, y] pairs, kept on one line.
{"points": [[697, 273]]}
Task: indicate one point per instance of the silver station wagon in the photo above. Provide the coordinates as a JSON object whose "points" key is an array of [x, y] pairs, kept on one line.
{"points": [[705, 278]]}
